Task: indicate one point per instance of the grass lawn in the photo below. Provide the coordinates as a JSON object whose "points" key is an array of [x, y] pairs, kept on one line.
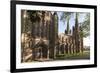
{"points": [[84, 55], [79, 56]]}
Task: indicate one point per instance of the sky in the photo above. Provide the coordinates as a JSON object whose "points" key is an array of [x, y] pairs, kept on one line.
{"points": [[62, 26]]}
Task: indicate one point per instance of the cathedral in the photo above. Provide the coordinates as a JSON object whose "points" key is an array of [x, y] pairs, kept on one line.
{"points": [[42, 37]]}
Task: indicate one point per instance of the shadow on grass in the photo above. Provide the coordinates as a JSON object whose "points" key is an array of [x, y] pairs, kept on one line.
{"points": [[84, 55]]}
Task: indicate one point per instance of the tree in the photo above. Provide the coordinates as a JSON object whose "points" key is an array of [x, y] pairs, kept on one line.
{"points": [[67, 29], [84, 29], [34, 17], [85, 26], [66, 17]]}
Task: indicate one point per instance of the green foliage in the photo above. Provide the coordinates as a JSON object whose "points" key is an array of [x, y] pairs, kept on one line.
{"points": [[66, 17], [34, 16], [56, 22], [85, 26], [67, 26]]}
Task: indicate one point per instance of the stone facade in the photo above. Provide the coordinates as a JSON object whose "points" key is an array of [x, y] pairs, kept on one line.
{"points": [[44, 40]]}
